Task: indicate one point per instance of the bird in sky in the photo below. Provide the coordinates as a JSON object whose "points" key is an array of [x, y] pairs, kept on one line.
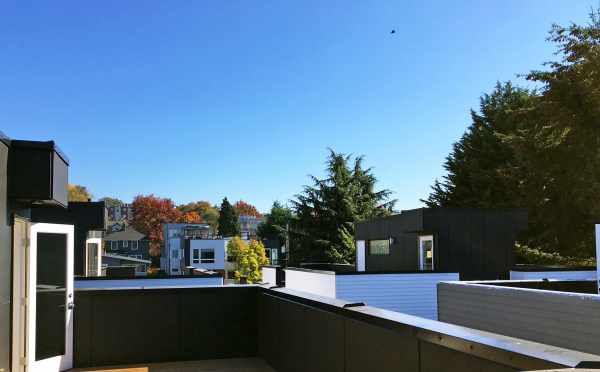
{"points": [[393, 32]]}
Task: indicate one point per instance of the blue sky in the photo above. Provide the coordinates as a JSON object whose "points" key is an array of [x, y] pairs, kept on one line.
{"points": [[197, 100]]}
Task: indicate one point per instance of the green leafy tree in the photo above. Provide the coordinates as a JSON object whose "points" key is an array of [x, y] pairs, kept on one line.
{"points": [[276, 223], [249, 259], [323, 228], [228, 220], [78, 193]]}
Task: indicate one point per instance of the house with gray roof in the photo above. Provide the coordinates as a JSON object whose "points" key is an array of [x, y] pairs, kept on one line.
{"points": [[129, 243]]}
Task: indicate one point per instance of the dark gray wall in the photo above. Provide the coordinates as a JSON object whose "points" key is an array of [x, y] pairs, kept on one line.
{"points": [[158, 325], [476, 243], [5, 263]]}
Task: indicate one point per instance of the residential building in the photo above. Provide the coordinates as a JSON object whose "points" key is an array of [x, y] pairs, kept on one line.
{"points": [[138, 266], [249, 226], [119, 217], [127, 243], [476, 243], [172, 259]]}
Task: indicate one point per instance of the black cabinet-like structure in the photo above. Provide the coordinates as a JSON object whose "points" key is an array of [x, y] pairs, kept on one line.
{"points": [[476, 243], [37, 173]]}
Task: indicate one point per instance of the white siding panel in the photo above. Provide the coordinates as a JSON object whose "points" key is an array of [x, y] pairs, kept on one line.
{"points": [[414, 294], [318, 283], [269, 275], [557, 275], [568, 320]]}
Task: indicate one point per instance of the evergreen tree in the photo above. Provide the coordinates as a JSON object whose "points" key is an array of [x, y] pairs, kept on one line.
{"points": [[275, 224], [482, 169], [323, 228], [228, 220]]}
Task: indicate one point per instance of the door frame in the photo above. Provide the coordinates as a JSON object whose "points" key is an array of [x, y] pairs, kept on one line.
{"points": [[19, 295], [60, 362]]}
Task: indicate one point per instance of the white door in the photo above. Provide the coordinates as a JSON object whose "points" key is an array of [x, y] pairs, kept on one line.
{"points": [[49, 345]]}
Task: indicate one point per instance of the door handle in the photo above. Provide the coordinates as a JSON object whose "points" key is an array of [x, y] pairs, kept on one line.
{"points": [[69, 306]]}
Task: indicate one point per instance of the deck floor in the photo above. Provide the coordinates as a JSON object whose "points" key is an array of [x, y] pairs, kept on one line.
{"points": [[216, 365]]}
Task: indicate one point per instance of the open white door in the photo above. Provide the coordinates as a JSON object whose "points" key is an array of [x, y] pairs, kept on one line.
{"points": [[49, 326]]}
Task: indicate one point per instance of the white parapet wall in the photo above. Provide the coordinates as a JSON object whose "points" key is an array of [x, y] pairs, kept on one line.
{"points": [[269, 275], [148, 282], [564, 319], [553, 275], [321, 283], [409, 293]]}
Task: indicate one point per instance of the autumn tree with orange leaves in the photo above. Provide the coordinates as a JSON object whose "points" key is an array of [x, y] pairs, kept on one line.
{"points": [[191, 217], [246, 209], [149, 213]]}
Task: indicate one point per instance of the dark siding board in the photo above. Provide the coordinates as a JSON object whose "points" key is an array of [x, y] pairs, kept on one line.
{"points": [[293, 340], [371, 348], [436, 358], [477, 243], [141, 326], [325, 350]]}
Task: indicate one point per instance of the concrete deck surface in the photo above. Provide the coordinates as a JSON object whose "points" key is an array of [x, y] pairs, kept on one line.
{"points": [[215, 365]]}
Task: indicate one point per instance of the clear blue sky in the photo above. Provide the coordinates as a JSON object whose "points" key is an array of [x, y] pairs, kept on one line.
{"points": [[204, 99]]}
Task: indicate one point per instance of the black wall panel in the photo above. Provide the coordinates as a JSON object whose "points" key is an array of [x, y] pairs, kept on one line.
{"points": [[435, 358]]}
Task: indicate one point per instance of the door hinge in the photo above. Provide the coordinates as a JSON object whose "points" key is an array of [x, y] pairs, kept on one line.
{"points": [[23, 361], [24, 302]]}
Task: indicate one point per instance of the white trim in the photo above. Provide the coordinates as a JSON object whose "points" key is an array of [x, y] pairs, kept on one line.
{"points": [[128, 258], [424, 238], [360, 255], [598, 257], [61, 362]]}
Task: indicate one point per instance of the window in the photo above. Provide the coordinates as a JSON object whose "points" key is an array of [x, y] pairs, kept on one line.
{"points": [[175, 254], [134, 245], [379, 247], [125, 243], [195, 256], [207, 256], [114, 246], [426, 252]]}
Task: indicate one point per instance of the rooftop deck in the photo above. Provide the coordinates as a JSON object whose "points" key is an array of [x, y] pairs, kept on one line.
{"points": [[288, 331]]}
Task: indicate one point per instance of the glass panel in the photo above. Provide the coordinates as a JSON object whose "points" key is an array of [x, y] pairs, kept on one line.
{"points": [[427, 254], [379, 247], [92, 249], [50, 319], [207, 255], [195, 256]]}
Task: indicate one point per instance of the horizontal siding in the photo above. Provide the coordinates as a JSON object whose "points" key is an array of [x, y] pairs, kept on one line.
{"points": [[558, 275], [413, 294], [147, 283], [562, 319]]}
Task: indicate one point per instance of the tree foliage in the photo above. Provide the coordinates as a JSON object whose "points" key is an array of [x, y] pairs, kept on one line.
{"points": [[276, 223], [190, 217], [208, 213], [246, 209], [149, 213], [323, 228], [78, 193], [539, 150], [249, 258], [228, 220], [111, 202]]}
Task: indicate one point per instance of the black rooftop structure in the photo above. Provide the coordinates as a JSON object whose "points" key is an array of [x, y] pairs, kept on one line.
{"points": [[84, 216], [476, 243], [37, 173]]}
